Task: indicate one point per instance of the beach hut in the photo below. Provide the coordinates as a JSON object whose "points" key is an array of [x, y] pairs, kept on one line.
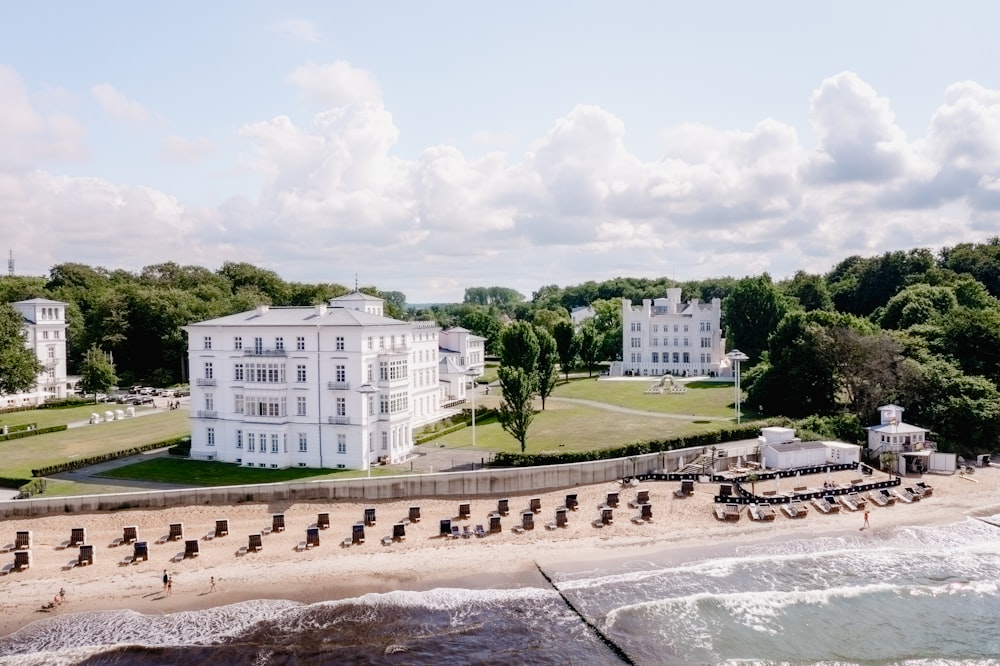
{"points": [[572, 502], [22, 560], [503, 506], [536, 504], [414, 514], [190, 548], [255, 542], [464, 510], [561, 517], [323, 521], [528, 520], [22, 540], [495, 527], [607, 515], [445, 527], [86, 555], [278, 522], [312, 537], [77, 536], [130, 534], [221, 527], [140, 551], [358, 533], [370, 516], [398, 532], [176, 532], [612, 500]]}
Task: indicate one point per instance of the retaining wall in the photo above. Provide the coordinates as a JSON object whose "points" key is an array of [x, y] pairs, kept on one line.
{"points": [[485, 482]]}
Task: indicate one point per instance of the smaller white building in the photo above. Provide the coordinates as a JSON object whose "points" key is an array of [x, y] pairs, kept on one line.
{"points": [[45, 334], [461, 359], [909, 443], [781, 449]]}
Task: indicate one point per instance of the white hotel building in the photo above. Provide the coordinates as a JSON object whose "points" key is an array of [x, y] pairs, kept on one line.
{"points": [[667, 336], [45, 334], [330, 386]]}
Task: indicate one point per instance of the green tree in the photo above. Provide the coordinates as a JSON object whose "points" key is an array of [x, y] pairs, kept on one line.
{"points": [[589, 345], [752, 313], [810, 291], [97, 372], [516, 412], [19, 367], [567, 345], [547, 366], [519, 347]]}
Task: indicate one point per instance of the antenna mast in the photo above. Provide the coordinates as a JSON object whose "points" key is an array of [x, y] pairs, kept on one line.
{"points": [[10, 264]]}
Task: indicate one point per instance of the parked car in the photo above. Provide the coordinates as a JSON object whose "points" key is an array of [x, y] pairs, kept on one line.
{"points": [[167, 393], [181, 393], [143, 400]]}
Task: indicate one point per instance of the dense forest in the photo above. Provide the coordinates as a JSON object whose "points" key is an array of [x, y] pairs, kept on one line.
{"points": [[912, 327]]}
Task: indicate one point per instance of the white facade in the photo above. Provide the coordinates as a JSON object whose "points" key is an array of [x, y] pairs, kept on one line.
{"points": [[666, 336], [462, 359], [45, 334], [332, 386]]}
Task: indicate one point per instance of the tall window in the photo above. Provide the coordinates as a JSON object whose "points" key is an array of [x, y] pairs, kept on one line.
{"points": [[636, 343], [341, 407], [209, 402], [371, 342], [656, 357], [687, 357], [303, 443], [258, 345], [238, 403], [340, 343], [251, 442], [300, 343], [208, 371], [238, 343], [238, 372], [300, 373], [210, 436], [341, 443], [208, 342], [239, 439], [300, 405], [279, 343], [274, 443], [341, 373], [706, 343]]}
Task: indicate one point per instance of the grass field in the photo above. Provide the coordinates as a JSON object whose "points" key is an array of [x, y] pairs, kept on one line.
{"points": [[702, 398], [61, 415], [18, 457], [182, 472], [562, 426]]}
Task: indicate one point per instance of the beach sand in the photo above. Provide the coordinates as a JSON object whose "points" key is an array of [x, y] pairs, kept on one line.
{"points": [[424, 560]]}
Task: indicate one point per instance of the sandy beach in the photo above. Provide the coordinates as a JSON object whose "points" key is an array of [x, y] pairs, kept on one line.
{"points": [[423, 560]]}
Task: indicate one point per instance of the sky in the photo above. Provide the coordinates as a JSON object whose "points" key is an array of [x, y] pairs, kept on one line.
{"points": [[427, 147]]}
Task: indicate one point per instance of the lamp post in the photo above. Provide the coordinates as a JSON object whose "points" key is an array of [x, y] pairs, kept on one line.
{"points": [[472, 373], [737, 357], [367, 390]]}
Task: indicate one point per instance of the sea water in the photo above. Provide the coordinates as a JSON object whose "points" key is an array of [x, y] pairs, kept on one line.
{"points": [[919, 595]]}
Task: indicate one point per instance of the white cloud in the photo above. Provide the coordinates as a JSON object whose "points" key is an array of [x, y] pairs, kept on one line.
{"points": [[859, 139], [116, 104], [335, 200], [28, 135], [336, 84], [298, 30]]}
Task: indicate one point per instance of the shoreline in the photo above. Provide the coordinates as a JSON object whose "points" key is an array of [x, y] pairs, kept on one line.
{"points": [[681, 529]]}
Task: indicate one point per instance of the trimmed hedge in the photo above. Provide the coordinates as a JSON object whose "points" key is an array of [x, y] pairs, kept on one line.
{"points": [[115, 455], [747, 431], [482, 417], [33, 487], [183, 449], [8, 482], [20, 434]]}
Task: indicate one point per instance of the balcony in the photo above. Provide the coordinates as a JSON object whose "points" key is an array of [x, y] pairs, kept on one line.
{"points": [[207, 414], [340, 420], [264, 352], [339, 386], [204, 381], [394, 383], [394, 349]]}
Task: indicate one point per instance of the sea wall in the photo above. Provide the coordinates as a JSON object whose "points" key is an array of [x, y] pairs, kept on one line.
{"points": [[484, 482]]}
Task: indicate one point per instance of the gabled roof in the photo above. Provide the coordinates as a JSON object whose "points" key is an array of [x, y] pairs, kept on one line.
{"points": [[897, 429], [356, 296], [38, 301]]}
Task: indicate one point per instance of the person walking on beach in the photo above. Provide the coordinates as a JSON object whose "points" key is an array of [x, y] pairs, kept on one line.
{"points": [[211, 584], [170, 585], [166, 580], [866, 519]]}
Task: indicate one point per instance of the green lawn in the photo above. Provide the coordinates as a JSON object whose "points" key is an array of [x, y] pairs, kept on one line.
{"points": [[571, 427], [714, 399], [184, 472], [62, 415], [19, 456]]}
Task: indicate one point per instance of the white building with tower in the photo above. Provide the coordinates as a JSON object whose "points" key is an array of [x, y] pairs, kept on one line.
{"points": [[45, 334], [667, 336], [337, 385]]}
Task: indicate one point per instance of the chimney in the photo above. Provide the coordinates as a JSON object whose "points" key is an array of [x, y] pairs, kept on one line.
{"points": [[320, 309], [262, 310]]}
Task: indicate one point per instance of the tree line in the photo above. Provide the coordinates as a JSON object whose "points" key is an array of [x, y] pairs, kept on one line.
{"points": [[913, 327]]}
